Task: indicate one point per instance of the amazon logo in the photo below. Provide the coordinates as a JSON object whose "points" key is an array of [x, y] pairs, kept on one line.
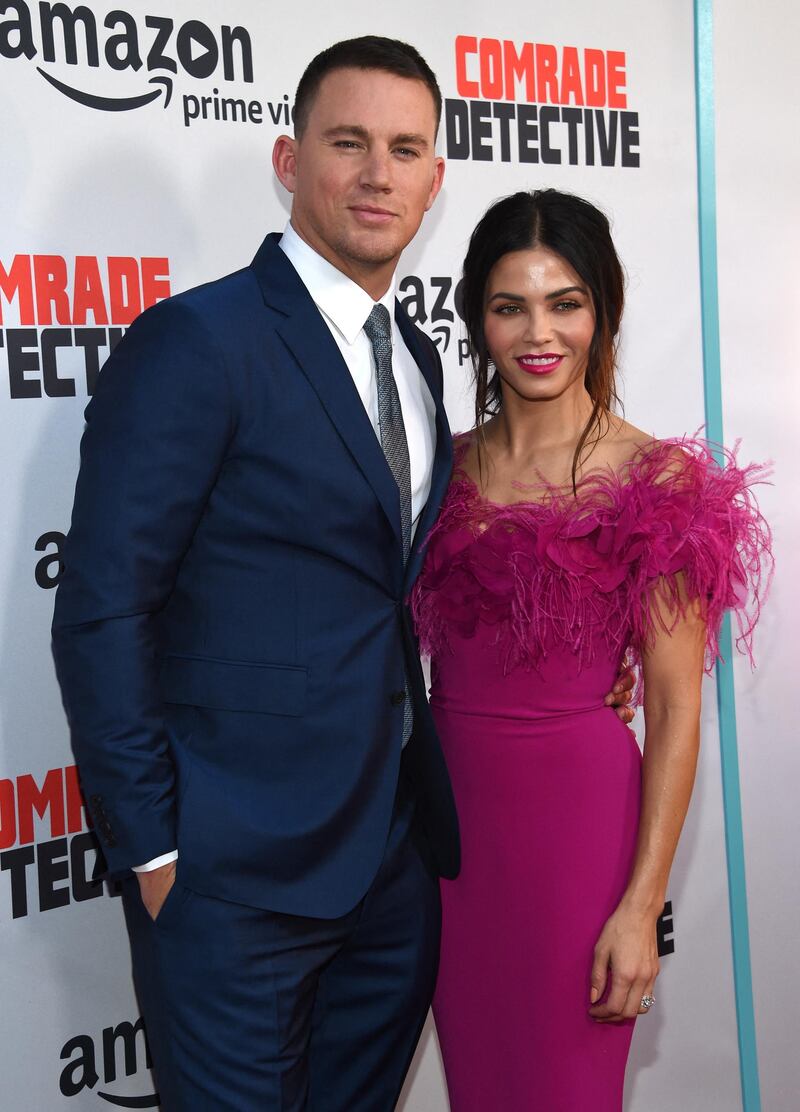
{"points": [[436, 305], [122, 1047], [151, 49]]}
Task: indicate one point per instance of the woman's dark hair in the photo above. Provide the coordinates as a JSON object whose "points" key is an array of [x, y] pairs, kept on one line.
{"points": [[579, 233], [369, 52]]}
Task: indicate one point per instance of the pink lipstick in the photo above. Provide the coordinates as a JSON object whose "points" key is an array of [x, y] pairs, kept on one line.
{"points": [[543, 364]]}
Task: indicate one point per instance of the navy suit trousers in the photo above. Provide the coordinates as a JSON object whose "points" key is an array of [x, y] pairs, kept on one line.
{"points": [[251, 1010]]}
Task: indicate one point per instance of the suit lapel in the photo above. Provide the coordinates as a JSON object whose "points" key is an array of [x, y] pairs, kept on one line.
{"points": [[443, 454], [309, 340]]}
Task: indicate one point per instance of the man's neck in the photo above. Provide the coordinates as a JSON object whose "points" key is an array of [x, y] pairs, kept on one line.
{"points": [[375, 279]]}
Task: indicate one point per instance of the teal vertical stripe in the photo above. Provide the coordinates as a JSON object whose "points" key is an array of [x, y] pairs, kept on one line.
{"points": [[712, 378]]}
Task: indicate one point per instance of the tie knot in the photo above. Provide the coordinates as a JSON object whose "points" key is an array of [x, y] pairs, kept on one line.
{"points": [[378, 326]]}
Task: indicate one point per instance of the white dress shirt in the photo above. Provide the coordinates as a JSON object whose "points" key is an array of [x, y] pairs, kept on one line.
{"points": [[345, 306]]}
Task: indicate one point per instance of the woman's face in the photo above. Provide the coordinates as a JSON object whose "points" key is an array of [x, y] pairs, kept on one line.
{"points": [[538, 324]]}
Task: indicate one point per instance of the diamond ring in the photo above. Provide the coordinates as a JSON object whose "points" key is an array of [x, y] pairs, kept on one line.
{"points": [[647, 1002]]}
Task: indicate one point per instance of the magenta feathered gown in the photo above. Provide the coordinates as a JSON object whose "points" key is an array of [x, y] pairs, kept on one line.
{"points": [[527, 612]]}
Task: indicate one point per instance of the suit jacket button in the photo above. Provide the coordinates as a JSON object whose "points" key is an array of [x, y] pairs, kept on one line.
{"points": [[397, 698]]}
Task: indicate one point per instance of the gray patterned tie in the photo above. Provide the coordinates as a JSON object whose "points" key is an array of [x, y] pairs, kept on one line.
{"points": [[378, 328]]}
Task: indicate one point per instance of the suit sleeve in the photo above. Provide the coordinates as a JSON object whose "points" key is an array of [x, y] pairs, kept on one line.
{"points": [[156, 437]]}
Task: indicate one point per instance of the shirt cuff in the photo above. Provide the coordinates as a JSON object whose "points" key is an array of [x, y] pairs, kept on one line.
{"points": [[157, 862]]}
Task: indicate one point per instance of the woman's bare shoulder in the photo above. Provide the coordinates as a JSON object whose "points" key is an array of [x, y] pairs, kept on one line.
{"points": [[623, 442], [628, 436], [661, 459]]}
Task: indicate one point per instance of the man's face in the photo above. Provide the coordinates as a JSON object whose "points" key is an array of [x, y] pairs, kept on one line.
{"points": [[364, 172]]}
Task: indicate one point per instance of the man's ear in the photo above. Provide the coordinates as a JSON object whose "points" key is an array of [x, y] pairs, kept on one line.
{"points": [[284, 161], [436, 184]]}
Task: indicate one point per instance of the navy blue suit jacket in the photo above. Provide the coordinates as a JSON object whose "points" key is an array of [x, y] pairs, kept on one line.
{"points": [[230, 631]]}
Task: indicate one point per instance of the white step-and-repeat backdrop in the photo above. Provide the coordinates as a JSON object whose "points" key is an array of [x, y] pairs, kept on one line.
{"points": [[135, 163]]}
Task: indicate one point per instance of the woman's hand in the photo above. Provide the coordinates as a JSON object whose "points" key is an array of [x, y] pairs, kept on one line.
{"points": [[627, 954]]}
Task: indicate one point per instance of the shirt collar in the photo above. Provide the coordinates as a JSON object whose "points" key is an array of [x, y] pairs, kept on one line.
{"points": [[341, 299]]}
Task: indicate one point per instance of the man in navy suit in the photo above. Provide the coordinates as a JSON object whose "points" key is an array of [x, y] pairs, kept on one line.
{"points": [[247, 706], [262, 458]]}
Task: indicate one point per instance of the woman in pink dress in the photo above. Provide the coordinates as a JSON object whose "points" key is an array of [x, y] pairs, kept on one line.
{"points": [[568, 541]]}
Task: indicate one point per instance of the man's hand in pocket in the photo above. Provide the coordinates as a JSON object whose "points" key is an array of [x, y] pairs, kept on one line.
{"points": [[154, 887]]}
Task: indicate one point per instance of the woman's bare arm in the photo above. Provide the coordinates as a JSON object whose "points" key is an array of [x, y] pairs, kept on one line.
{"points": [[673, 670]]}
